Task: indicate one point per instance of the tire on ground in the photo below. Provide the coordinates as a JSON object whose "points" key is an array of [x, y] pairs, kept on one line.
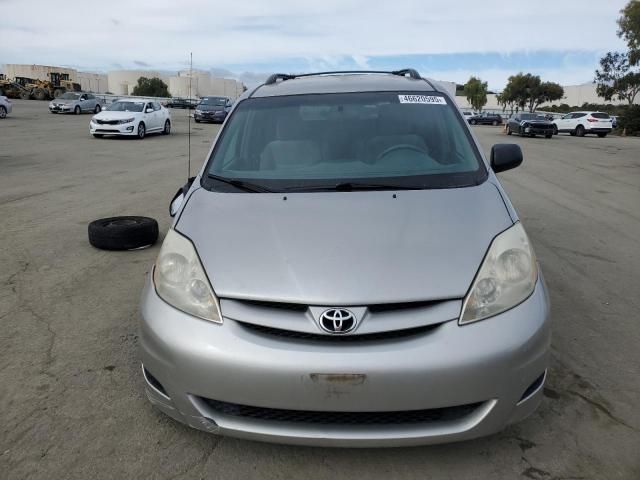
{"points": [[123, 233]]}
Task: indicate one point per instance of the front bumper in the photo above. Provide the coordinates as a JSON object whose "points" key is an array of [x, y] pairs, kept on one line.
{"points": [[123, 129], [61, 108], [213, 117], [191, 366]]}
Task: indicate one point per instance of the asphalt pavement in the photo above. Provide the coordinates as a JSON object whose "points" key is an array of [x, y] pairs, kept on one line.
{"points": [[71, 398]]}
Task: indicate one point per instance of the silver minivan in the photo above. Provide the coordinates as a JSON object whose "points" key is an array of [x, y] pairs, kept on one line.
{"points": [[346, 270]]}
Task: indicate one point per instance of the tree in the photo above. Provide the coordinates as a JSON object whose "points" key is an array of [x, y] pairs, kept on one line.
{"points": [[616, 79], [545, 92], [476, 92], [151, 87], [629, 24]]}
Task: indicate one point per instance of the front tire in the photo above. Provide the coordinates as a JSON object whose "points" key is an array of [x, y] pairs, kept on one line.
{"points": [[197, 121], [142, 130], [509, 130], [77, 110], [602, 135], [98, 109], [473, 122], [548, 136], [555, 129], [580, 131], [167, 128], [494, 123], [3, 112], [40, 94]]}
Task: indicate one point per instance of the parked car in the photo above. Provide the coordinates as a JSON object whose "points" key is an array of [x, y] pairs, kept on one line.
{"points": [[346, 270], [584, 123], [529, 124], [131, 117], [212, 109], [76, 102], [485, 118], [5, 106], [182, 103]]}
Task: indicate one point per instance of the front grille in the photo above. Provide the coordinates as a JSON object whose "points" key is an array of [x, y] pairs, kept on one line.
{"points": [[317, 337], [107, 122], [445, 414]]}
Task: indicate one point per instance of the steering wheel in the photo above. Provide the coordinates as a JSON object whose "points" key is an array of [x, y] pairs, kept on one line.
{"points": [[401, 146]]}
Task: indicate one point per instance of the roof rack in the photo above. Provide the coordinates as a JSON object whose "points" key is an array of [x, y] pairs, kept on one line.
{"points": [[406, 72]]}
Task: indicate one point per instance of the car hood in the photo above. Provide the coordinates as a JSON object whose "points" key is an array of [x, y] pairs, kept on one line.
{"points": [[344, 248], [64, 101], [210, 108], [109, 115]]}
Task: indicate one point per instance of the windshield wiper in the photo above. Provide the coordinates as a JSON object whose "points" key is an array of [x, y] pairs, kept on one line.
{"points": [[351, 186], [242, 185]]}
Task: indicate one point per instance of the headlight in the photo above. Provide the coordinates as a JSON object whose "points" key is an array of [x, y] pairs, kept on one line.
{"points": [[180, 279], [126, 120], [506, 278]]}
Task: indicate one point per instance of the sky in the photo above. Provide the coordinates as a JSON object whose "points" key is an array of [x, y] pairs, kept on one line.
{"points": [[560, 40]]}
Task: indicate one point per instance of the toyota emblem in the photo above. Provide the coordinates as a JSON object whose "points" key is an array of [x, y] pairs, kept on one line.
{"points": [[337, 321]]}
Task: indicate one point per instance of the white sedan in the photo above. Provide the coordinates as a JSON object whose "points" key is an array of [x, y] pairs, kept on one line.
{"points": [[131, 117]]}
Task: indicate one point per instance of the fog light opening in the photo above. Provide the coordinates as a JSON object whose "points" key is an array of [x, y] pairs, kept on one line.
{"points": [[154, 383], [533, 388]]}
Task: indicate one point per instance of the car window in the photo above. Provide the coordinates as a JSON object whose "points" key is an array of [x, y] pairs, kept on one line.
{"points": [[579, 115], [90, 96], [302, 141], [600, 115], [126, 107], [156, 106]]}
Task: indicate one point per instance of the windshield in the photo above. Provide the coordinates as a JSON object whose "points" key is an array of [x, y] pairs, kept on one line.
{"points": [[126, 107], [314, 141], [220, 101], [532, 116], [70, 96]]}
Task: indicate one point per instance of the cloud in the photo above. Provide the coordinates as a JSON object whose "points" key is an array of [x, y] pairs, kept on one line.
{"points": [[257, 36]]}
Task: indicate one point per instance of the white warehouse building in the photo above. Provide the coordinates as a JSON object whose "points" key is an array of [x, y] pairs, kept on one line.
{"points": [[122, 82]]}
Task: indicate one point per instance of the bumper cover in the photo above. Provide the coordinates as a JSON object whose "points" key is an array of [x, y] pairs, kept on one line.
{"points": [[489, 364]]}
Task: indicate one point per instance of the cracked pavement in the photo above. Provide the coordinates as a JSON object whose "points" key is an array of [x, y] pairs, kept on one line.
{"points": [[72, 403]]}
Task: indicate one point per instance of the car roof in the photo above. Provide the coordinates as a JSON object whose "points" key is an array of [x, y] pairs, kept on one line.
{"points": [[344, 83]]}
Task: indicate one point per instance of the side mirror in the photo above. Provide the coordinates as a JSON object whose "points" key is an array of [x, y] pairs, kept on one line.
{"points": [[178, 198], [148, 110], [505, 156]]}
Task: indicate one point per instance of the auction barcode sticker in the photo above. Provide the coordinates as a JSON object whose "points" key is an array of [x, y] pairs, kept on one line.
{"points": [[426, 99]]}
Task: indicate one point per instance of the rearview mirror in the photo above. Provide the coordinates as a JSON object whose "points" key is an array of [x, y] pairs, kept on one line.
{"points": [[148, 110], [505, 156], [178, 198]]}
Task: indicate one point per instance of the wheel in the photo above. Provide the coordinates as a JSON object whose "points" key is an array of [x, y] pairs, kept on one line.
{"points": [[3, 112], [98, 135], [57, 92], [472, 122], [123, 233], [572, 133], [555, 129], [25, 95], [548, 135], [77, 110], [508, 130], [601, 135], [167, 128], [197, 121], [494, 123], [580, 131], [141, 130], [98, 109], [40, 94]]}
